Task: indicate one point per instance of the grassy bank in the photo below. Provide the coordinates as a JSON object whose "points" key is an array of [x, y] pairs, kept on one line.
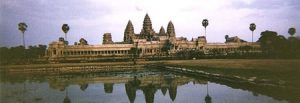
{"points": [[287, 71]]}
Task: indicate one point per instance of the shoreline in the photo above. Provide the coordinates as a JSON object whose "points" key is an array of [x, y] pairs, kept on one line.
{"points": [[67, 64], [131, 63], [60, 68], [283, 72], [202, 63], [270, 69]]}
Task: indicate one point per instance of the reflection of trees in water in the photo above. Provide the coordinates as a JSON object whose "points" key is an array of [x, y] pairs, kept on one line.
{"points": [[207, 97], [19, 78], [57, 85], [67, 99], [24, 91], [84, 86], [254, 94]]}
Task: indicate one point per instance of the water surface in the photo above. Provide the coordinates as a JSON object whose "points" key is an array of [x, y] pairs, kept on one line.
{"points": [[143, 86]]}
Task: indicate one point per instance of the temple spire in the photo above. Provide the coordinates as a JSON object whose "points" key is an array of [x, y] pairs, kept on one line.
{"points": [[147, 23], [129, 32], [147, 19], [171, 30], [162, 31], [147, 31], [129, 27]]}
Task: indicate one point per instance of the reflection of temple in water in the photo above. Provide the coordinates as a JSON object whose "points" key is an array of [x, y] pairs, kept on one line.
{"points": [[67, 99], [149, 90], [108, 87], [148, 84], [83, 87]]}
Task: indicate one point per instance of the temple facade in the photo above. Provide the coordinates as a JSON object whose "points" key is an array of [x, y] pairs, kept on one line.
{"points": [[145, 44]]}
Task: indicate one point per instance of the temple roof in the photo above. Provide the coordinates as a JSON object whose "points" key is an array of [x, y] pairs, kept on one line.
{"points": [[129, 28], [170, 29], [162, 31], [147, 22]]}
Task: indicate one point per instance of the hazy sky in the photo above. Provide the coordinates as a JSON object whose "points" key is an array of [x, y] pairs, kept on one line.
{"points": [[91, 18]]}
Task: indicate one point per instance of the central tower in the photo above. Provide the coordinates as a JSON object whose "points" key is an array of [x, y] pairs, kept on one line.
{"points": [[147, 31]]}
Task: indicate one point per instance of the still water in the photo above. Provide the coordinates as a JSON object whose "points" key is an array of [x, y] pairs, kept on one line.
{"points": [[143, 86]]}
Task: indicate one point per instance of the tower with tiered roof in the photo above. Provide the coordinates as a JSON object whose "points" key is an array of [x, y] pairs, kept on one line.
{"points": [[147, 31], [129, 33], [162, 31], [171, 30]]}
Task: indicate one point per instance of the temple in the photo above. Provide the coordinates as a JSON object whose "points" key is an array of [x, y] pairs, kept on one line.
{"points": [[146, 44]]}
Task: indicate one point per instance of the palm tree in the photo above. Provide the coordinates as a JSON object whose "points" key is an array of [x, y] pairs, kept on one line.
{"points": [[252, 28], [226, 37], [65, 28], [23, 27], [205, 24], [292, 31]]}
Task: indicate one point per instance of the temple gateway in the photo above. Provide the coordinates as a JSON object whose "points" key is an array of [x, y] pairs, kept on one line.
{"points": [[146, 44]]}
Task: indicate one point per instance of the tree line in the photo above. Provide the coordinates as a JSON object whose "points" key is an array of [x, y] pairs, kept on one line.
{"points": [[21, 55], [277, 46]]}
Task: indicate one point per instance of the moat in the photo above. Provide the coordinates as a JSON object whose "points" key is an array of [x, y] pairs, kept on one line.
{"points": [[146, 85]]}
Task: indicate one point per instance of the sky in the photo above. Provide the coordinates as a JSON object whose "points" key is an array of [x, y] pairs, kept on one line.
{"points": [[90, 19]]}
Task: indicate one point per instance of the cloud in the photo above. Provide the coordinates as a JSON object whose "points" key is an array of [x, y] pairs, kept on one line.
{"points": [[91, 18]]}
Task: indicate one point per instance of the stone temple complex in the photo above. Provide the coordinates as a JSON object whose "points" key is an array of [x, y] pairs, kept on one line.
{"points": [[146, 44]]}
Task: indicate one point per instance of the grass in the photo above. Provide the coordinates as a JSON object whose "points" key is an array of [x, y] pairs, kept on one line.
{"points": [[271, 69]]}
